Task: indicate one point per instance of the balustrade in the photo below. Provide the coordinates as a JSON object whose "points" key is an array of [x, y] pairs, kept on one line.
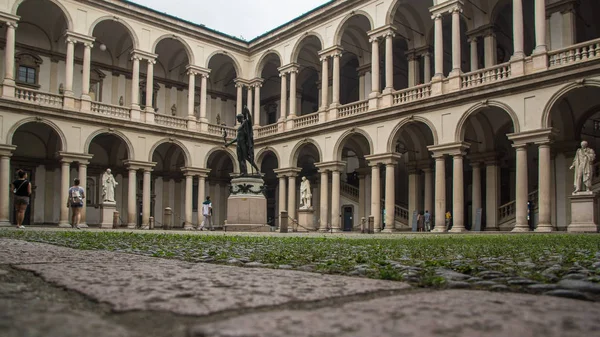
{"points": [[38, 97], [484, 76], [353, 109], [580, 52], [110, 110]]}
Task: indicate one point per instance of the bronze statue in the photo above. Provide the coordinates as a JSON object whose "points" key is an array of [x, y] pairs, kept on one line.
{"points": [[245, 142]]}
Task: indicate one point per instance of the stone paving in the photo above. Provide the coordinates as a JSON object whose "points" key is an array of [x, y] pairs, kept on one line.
{"points": [[47, 290]]}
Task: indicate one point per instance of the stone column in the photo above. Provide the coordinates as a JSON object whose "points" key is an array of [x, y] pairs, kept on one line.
{"points": [[427, 67], [361, 86], [85, 82], [283, 103], [249, 96], [292, 196], [69, 64], [256, 112], [458, 194], [474, 56], [413, 190], [376, 196], [135, 83], [146, 198], [324, 83], [4, 190], [438, 46], [544, 222], [201, 197], [335, 99], [440, 194], [131, 200], [9, 54], [239, 94], [521, 190], [282, 193], [335, 201], [203, 83], [83, 184], [413, 70], [189, 181], [390, 198], [191, 94], [361, 196], [456, 48], [150, 85], [324, 200], [428, 202], [389, 63], [374, 67], [489, 45], [64, 193], [476, 194], [293, 92], [569, 28], [518, 29], [540, 27], [492, 186]]}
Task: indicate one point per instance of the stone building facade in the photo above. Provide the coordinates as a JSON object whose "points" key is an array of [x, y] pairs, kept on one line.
{"points": [[410, 105]]}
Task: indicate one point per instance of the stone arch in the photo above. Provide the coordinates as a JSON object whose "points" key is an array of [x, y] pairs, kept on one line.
{"points": [[337, 40], [59, 132], [339, 145], [236, 64], [260, 65], [186, 46], [296, 150], [546, 123], [229, 152], [460, 127], [413, 119], [184, 149], [60, 6], [260, 156], [412, 18], [125, 24], [118, 134], [297, 46]]}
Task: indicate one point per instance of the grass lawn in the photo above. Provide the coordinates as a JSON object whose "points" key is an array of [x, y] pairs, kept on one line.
{"points": [[420, 260]]}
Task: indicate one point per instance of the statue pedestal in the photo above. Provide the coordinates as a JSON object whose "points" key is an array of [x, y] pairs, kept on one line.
{"points": [[583, 216], [107, 210], [306, 220], [247, 206]]}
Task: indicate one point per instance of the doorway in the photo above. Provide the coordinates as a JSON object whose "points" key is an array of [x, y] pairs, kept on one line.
{"points": [[348, 218]]}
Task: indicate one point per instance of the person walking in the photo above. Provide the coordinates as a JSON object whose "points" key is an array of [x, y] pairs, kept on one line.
{"points": [[75, 202], [448, 220], [21, 189], [207, 213], [420, 222], [427, 218]]}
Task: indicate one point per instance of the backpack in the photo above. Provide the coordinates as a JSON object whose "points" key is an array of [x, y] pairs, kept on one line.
{"points": [[76, 196]]}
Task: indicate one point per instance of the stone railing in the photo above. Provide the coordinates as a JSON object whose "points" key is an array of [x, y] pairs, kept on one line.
{"points": [[266, 130], [38, 97], [353, 108], [412, 94], [214, 129], [110, 110], [484, 76], [507, 211], [349, 191], [306, 120], [176, 122], [576, 53]]}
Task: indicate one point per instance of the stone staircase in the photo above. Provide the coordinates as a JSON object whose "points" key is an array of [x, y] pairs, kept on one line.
{"points": [[401, 213]]}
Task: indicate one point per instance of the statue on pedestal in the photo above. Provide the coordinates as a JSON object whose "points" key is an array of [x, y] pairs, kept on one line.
{"points": [[582, 163], [245, 142], [305, 194], [108, 186], [174, 110]]}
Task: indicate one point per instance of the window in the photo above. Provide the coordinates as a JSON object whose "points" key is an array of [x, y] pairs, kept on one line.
{"points": [[28, 69], [27, 75]]}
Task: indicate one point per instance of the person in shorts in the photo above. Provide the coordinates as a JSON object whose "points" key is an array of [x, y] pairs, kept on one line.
{"points": [[21, 192], [75, 202], [207, 212]]}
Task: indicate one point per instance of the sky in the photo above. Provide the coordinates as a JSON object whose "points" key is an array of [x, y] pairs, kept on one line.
{"points": [[245, 19]]}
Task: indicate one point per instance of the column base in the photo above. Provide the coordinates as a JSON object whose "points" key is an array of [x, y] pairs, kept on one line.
{"points": [[323, 116], [5, 223], [131, 226], [389, 230], [136, 113], [387, 99], [68, 101], [540, 59], [454, 81], [438, 230], [289, 123], [517, 65], [149, 117], [520, 229], [64, 225], [457, 230], [86, 103], [544, 228], [83, 225], [8, 88], [437, 85], [188, 227]]}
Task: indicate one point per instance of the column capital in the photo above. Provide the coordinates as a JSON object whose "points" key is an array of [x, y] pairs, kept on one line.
{"points": [[197, 70], [72, 37], [484, 157], [334, 51], [533, 136], [562, 6], [142, 55], [74, 157], [6, 150], [137, 165], [287, 172], [257, 82], [195, 171], [449, 6], [9, 19], [382, 32], [289, 68], [425, 165], [391, 158], [483, 31], [240, 82], [422, 51], [452, 149], [333, 166]]}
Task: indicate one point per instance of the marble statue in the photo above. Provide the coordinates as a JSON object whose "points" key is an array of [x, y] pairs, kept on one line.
{"points": [[305, 194], [582, 164], [121, 102], [218, 119], [174, 110], [245, 143], [108, 186]]}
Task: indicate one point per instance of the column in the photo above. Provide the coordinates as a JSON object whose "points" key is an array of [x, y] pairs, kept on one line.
{"points": [[428, 202], [413, 70], [476, 194], [293, 91], [256, 112], [85, 82], [376, 197], [335, 99], [544, 223], [569, 28], [489, 45], [239, 94], [135, 83], [374, 67], [361, 86], [427, 67], [189, 181], [440, 194], [64, 194], [283, 100], [191, 94], [282, 193], [249, 96], [458, 194], [474, 56], [324, 201], [9, 53], [324, 83], [413, 191], [518, 29], [438, 46], [540, 27], [492, 187], [389, 63], [292, 196], [335, 201], [83, 184], [201, 197], [4, 190], [146, 198], [69, 67], [203, 79], [521, 224], [150, 85], [361, 196], [456, 50], [390, 198], [131, 200]]}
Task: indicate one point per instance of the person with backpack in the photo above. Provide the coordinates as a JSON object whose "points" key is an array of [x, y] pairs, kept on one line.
{"points": [[207, 212], [21, 189], [75, 202]]}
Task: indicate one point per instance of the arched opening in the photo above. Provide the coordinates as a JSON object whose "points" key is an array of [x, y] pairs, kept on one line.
{"points": [[167, 187], [308, 83], [37, 145], [270, 92], [268, 164], [222, 94], [170, 89], [502, 18], [357, 52], [221, 167]]}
